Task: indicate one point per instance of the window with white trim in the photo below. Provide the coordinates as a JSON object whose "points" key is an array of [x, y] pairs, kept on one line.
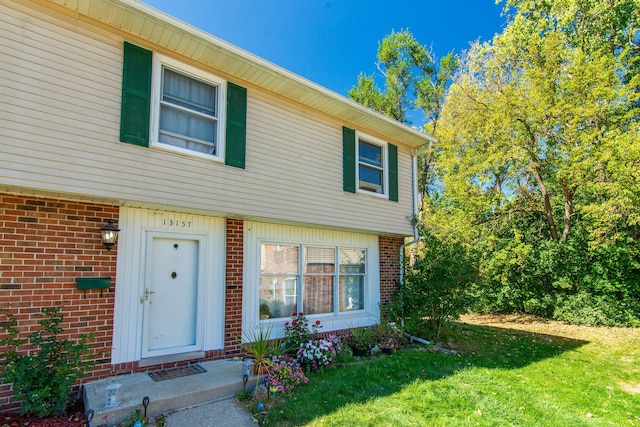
{"points": [[372, 165], [188, 109], [311, 279]]}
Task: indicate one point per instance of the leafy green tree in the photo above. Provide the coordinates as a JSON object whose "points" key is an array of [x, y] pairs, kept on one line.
{"points": [[414, 85], [539, 159]]}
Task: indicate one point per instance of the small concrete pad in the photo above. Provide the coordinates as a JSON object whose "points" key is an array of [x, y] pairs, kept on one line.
{"points": [[223, 379]]}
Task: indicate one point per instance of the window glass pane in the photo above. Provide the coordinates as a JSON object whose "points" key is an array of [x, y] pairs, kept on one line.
{"points": [[279, 259], [319, 261], [200, 132], [317, 294], [351, 292], [352, 261], [370, 154], [188, 92], [277, 296], [188, 113], [370, 179]]}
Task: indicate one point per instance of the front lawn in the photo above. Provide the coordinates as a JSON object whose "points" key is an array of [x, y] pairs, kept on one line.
{"points": [[509, 372]]}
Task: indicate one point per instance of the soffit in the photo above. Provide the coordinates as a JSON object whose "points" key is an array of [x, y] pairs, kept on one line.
{"points": [[145, 22]]}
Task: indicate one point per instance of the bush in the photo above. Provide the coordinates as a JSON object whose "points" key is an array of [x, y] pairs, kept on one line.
{"points": [[284, 374], [298, 331], [318, 353], [388, 336], [436, 285], [43, 378], [360, 341]]}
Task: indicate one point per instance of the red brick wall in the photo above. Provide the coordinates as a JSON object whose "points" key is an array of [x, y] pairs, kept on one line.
{"points": [[389, 266], [45, 244], [234, 280]]}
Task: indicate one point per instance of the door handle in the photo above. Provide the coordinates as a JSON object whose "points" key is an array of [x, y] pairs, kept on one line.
{"points": [[147, 293]]}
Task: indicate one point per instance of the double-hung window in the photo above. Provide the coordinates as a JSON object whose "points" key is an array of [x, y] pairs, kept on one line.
{"points": [[311, 279], [371, 167], [187, 112]]}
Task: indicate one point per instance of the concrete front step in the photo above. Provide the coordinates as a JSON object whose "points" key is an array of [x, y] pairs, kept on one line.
{"points": [[222, 379]]}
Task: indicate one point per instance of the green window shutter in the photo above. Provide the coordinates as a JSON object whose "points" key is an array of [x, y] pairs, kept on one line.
{"points": [[393, 172], [236, 131], [348, 159], [136, 95]]}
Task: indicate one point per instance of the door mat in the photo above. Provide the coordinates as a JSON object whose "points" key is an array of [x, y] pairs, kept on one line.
{"points": [[182, 371]]}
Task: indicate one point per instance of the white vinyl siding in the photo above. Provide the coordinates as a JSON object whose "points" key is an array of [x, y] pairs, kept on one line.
{"points": [[60, 81]]}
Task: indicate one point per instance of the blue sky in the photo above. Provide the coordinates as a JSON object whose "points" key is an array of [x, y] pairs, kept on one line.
{"points": [[331, 41]]}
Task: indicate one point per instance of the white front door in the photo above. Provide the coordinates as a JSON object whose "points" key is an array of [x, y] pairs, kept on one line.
{"points": [[171, 320]]}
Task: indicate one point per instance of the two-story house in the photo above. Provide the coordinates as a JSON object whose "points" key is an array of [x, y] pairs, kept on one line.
{"points": [[242, 192]]}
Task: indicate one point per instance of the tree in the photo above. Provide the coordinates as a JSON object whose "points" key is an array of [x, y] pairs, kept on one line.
{"points": [[414, 84], [539, 157]]}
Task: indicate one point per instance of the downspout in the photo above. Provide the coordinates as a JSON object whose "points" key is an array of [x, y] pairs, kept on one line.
{"points": [[416, 236]]}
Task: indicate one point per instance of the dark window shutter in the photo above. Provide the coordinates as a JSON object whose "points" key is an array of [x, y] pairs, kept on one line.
{"points": [[348, 159], [136, 95], [393, 172], [236, 131]]}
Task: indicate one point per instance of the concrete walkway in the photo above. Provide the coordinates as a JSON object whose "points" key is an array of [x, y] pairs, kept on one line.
{"points": [[202, 399], [223, 413]]}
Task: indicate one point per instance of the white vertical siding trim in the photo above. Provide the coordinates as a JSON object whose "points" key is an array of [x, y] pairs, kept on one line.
{"points": [[130, 277], [256, 233]]}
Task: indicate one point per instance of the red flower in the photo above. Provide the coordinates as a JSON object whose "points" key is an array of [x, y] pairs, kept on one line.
{"points": [[293, 323], [317, 322], [294, 314], [286, 323], [301, 314]]}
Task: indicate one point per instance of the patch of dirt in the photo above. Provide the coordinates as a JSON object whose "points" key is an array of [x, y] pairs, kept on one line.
{"points": [[631, 388], [597, 334], [75, 419]]}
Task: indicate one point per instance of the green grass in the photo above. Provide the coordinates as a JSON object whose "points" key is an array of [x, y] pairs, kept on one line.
{"points": [[506, 374]]}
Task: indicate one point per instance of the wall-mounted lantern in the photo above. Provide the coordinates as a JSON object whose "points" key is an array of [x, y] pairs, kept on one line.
{"points": [[109, 234]]}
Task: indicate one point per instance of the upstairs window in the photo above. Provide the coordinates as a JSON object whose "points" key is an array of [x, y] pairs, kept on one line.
{"points": [[171, 105], [371, 171], [187, 109], [369, 165]]}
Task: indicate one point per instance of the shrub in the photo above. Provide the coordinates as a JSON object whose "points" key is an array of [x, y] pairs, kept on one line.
{"points": [[284, 374], [298, 331], [388, 336], [43, 378], [318, 353], [436, 285], [360, 341]]}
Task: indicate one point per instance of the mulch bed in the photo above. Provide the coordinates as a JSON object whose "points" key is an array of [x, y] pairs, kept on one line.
{"points": [[74, 419]]}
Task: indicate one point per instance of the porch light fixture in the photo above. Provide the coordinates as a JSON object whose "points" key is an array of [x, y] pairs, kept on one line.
{"points": [[109, 234]]}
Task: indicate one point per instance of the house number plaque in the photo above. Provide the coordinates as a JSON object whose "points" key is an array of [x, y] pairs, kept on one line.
{"points": [[183, 224]]}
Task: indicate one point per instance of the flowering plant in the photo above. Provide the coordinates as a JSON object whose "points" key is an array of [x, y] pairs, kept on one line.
{"points": [[319, 352], [299, 331], [284, 374], [360, 341]]}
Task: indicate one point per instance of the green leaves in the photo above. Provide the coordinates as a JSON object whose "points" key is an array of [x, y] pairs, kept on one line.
{"points": [[42, 379]]}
